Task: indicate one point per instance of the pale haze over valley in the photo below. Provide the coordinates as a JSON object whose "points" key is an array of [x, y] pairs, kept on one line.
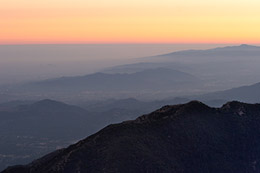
{"points": [[129, 86], [20, 63], [68, 92], [76, 73]]}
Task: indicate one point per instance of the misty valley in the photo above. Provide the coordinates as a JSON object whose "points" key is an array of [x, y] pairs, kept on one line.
{"points": [[136, 116]]}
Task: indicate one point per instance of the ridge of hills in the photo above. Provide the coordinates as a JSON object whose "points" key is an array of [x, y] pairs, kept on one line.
{"points": [[190, 137]]}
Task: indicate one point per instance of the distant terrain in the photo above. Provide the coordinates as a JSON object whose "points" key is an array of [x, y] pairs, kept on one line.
{"points": [[147, 80], [221, 68], [78, 106], [30, 129], [248, 93], [177, 74], [189, 137]]}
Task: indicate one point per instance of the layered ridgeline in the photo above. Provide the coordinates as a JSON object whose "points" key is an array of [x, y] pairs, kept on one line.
{"points": [[220, 68], [97, 86], [31, 129], [147, 80], [189, 137], [249, 93], [178, 74]]}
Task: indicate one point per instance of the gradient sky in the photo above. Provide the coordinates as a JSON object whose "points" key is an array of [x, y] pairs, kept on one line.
{"points": [[129, 21]]}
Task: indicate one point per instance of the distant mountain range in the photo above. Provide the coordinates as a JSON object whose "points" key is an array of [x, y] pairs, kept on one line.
{"points": [[211, 55], [183, 138], [50, 120], [151, 79], [220, 68], [30, 129], [178, 59], [250, 94], [177, 74], [99, 86]]}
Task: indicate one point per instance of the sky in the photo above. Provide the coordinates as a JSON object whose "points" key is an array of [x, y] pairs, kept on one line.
{"points": [[129, 21]]}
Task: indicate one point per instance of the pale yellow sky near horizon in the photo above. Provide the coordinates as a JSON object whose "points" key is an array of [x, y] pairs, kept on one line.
{"points": [[129, 21]]}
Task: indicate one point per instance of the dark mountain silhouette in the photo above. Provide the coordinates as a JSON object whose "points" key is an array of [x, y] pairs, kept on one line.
{"points": [[32, 130], [44, 113], [189, 137]]}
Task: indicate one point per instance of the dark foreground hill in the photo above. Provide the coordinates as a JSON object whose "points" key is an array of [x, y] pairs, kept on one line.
{"points": [[190, 137], [31, 130]]}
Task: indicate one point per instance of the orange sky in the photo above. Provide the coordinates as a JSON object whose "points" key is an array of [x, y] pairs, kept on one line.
{"points": [[129, 21]]}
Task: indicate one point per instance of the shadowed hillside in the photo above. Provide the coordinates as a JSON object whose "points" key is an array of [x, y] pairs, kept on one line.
{"points": [[189, 137]]}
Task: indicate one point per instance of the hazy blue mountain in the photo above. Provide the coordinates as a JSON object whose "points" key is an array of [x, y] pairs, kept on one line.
{"points": [[181, 59], [137, 67], [130, 104], [249, 94], [183, 138], [100, 86], [31, 129], [220, 68], [176, 74], [216, 54], [152, 79]]}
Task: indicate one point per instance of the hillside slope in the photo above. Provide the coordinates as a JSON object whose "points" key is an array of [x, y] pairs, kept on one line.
{"points": [[249, 93], [190, 137]]}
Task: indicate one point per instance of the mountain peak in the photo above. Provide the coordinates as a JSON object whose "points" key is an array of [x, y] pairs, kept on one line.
{"points": [[239, 108], [170, 139], [240, 47], [171, 111], [245, 45], [47, 102], [201, 52], [50, 105], [232, 104]]}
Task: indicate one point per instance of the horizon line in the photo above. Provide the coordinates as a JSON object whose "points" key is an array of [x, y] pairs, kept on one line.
{"points": [[130, 43]]}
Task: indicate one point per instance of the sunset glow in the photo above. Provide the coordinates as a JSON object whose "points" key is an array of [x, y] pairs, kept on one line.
{"points": [[135, 21]]}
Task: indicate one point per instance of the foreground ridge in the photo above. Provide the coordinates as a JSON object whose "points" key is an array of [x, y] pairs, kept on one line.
{"points": [[188, 137]]}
